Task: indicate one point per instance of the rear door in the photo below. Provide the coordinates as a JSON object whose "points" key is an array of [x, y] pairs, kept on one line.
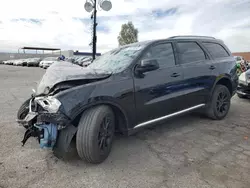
{"points": [[197, 72], [224, 63], [157, 92], [222, 59]]}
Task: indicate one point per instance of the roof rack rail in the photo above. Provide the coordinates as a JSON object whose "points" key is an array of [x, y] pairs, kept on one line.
{"points": [[191, 36]]}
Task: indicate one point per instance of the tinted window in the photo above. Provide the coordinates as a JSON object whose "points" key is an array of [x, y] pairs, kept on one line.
{"points": [[190, 52], [216, 50], [163, 53]]}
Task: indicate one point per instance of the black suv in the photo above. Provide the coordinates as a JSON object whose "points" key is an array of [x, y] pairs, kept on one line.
{"points": [[126, 89]]}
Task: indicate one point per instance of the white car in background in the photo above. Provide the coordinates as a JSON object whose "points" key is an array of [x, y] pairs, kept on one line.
{"points": [[5, 62], [86, 61], [15, 62], [46, 62], [18, 62], [8, 62]]}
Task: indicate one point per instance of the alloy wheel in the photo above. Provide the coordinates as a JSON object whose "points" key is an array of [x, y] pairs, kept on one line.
{"points": [[105, 134], [222, 103]]}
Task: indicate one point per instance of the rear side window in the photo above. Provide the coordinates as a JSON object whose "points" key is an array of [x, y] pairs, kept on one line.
{"points": [[216, 50], [190, 52], [163, 53]]}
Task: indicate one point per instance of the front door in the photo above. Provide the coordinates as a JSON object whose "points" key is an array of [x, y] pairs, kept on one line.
{"points": [[158, 91]]}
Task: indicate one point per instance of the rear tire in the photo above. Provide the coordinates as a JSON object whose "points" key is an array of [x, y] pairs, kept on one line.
{"points": [[95, 134], [220, 103]]}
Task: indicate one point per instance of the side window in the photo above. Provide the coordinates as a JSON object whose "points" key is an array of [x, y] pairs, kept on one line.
{"points": [[216, 50], [163, 53], [190, 52]]}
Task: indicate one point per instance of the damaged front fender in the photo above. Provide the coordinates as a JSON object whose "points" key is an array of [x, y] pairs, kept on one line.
{"points": [[63, 147]]}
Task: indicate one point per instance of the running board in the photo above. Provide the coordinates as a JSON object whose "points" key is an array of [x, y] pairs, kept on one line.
{"points": [[168, 116]]}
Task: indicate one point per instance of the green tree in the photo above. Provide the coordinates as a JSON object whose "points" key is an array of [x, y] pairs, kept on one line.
{"points": [[128, 34]]}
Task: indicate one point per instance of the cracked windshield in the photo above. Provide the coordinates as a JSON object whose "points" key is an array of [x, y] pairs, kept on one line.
{"points": [[125, 93], [117, 60]]}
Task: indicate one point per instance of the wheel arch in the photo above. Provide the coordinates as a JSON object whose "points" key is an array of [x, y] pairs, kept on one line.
{"points": [[226, 81], [222, 80], [120, 115]]}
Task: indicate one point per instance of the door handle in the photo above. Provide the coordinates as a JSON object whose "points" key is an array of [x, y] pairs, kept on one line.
{"points": [[212, 67], [175, 75]]}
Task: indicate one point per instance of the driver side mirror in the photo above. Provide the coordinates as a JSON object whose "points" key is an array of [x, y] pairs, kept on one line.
{"points": [[147, 65]]}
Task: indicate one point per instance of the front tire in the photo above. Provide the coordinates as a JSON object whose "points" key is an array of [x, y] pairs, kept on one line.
{"points": [[95, 134], [220, 103], [23, 110]]}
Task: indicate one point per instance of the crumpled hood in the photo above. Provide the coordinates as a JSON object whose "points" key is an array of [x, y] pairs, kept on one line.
{"points": [[64, 71]]}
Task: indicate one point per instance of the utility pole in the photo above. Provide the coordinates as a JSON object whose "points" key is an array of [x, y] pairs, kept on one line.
{"points": [[94, 31], [91, 6]]}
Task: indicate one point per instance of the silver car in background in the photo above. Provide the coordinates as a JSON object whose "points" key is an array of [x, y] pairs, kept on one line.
{"points": [[33, 62], [19, 62], [46, 62]]}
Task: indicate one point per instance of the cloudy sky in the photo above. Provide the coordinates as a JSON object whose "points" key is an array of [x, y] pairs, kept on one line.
{"points": [[65, 24]]}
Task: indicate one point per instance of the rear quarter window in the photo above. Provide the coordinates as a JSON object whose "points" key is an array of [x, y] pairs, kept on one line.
{"points": [[216, 50]]}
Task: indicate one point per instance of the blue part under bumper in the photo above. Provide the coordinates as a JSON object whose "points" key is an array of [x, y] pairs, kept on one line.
{"points": [[47, 135]]}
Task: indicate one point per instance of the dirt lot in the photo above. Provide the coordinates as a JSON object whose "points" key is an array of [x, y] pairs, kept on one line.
{"points": [[186, 152]]}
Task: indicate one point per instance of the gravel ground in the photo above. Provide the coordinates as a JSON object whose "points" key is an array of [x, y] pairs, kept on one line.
{"points": [[186, 152]]}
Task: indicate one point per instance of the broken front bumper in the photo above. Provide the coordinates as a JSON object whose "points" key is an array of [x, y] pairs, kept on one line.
{"points": [[45, 109], [34, 117], [43, 124]]}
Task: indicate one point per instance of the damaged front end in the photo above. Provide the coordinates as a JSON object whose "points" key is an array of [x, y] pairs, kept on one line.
{"points": [[44, 120], [44, 115]]}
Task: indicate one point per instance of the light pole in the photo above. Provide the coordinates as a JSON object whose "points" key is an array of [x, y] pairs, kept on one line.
{"points": [[91, 6]]}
